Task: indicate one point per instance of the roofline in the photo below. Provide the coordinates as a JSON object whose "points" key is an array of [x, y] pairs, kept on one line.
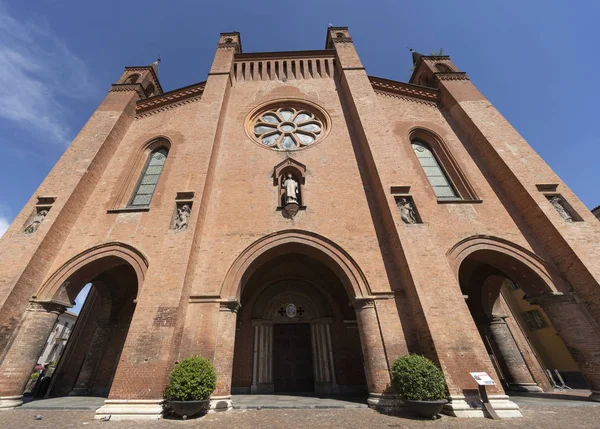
{"points": [[295, 54]]}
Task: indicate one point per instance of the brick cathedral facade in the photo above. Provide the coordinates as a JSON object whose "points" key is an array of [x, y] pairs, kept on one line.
{"points": [[301, 224]]}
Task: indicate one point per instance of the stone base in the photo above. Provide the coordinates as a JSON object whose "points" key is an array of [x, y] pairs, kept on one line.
{"points": [[525, 387], [131, 409], [80, 391], [10, 402], [220, 403], [471, 406], [382, 402], [595, 396]]}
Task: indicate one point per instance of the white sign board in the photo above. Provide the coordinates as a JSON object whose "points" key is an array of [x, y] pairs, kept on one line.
{"points": [[482, 378]]}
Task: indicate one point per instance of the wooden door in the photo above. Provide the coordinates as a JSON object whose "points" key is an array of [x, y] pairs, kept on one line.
{"points": [[292, 358]]}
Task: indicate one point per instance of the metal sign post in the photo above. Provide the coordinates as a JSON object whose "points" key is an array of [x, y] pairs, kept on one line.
{"points": [[483, 380]]}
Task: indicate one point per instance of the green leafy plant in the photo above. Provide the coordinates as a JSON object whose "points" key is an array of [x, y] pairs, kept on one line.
{"points": [[417, 378], [193, 379], [34, 376]]}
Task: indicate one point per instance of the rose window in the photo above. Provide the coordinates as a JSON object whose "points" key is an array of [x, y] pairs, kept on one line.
{"points": [[288, 128]]}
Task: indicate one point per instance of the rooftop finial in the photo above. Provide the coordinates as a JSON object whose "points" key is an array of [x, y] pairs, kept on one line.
{"points": [[155, 64]]}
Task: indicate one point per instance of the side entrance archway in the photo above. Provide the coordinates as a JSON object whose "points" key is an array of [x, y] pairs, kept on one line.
{"points": [[529, 319], [88, 365]]}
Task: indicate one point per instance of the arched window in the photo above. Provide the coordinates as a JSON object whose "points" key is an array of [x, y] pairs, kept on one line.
{"points": [[149, 91], [149, 179], [436, 176], [425, 81], [133, 78], [443, 68]]}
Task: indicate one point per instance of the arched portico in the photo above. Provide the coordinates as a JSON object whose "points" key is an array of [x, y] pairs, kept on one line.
{"points": [[513, 296], [281, 267], [115, 272]]}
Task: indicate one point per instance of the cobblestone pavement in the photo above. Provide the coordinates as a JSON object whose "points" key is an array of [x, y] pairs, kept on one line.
{"points": [[535, 417]]}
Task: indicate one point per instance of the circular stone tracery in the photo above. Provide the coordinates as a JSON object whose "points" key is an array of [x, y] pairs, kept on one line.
{"points": [[289, 127]]}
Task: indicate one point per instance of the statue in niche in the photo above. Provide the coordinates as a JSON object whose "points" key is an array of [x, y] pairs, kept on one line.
{"points": [[36, 221], [407, 211], [560, 208], [291, 189], [183, 217]]}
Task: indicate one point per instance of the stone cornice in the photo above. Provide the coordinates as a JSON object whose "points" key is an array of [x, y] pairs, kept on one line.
{"points": [[169, 100], [234, 46], [46, 306], [404, 90], [451, 76], [123, 87], [435, 57], [341, 39], [152, 73]]}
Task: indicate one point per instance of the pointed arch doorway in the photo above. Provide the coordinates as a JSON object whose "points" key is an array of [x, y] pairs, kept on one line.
{"points": [[297, 331]]}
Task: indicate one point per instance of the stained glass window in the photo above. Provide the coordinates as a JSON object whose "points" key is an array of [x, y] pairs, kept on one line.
{"points": [[287, 128], [149, 180], [436, 176]]}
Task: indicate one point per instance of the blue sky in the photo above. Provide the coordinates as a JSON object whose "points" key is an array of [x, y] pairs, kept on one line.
{"points": [[535, 61]]}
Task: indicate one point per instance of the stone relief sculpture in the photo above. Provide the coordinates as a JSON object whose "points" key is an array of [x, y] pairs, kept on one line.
{"points": [[407, 211], [560, 208], [36, 221], [291, 189], [183, 217]]}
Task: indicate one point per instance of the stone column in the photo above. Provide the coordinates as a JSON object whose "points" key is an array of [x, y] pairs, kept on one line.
{"points": [[579, 332], [376, 366], [95, 353], [21, 356], [323, 364], [223, 360], [262, 363], [510, 359]]}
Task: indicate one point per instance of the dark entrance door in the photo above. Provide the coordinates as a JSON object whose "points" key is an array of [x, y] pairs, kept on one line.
{"points": [[292, 358]]}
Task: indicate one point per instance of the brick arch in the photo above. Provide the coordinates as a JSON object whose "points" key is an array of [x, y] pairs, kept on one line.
{"points": [[97, 259], [295, 241], [507, 257]]}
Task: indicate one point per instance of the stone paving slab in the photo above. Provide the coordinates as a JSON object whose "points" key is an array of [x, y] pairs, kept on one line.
{"points": [[297, 402], [534, 418], [65, 403]]}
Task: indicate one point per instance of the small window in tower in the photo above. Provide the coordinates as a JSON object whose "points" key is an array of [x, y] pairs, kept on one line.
{"points": [[443, 68], [149, 91], [132, 78]]}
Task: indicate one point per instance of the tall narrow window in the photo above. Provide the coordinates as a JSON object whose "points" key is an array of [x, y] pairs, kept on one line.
{"points": [[147, 184], [436, 176]]}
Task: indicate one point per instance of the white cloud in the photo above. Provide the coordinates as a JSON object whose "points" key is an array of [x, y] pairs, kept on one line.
{"points": [[37, 73], [4, 224]]}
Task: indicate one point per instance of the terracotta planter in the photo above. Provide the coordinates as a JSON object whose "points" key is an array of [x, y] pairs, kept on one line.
{"points": [[185, 409], [429, 409]]}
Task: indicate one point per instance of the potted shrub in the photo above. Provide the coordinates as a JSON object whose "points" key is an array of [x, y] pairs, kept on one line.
{"points": [[190, 385], [421, 385]]}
